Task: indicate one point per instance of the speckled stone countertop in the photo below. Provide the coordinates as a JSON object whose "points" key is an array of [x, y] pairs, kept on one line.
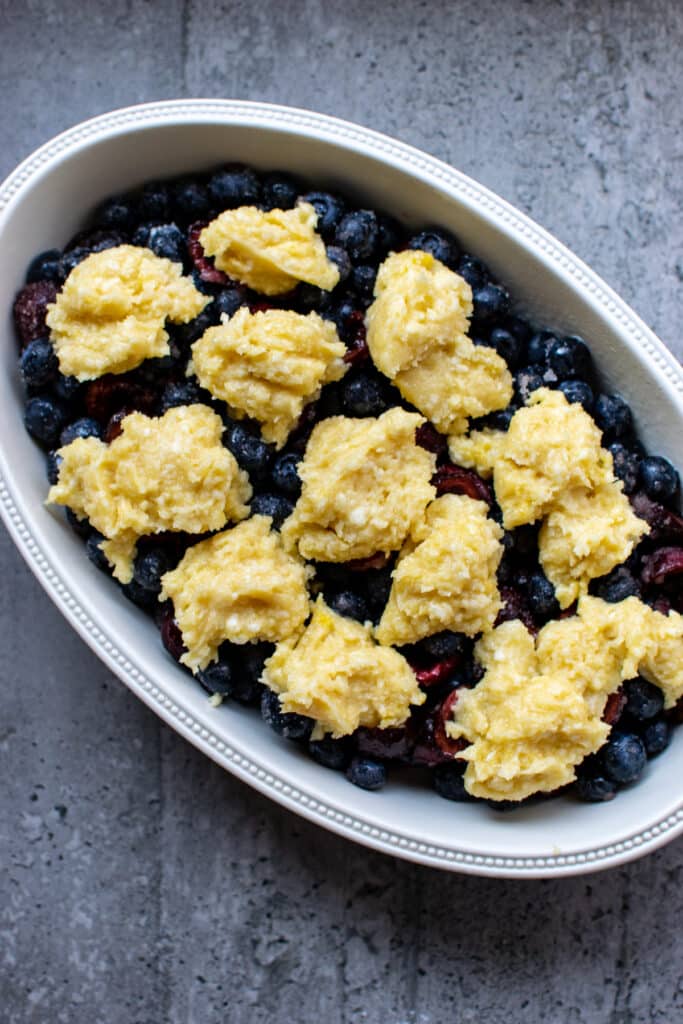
{"points": [[139, 884]]}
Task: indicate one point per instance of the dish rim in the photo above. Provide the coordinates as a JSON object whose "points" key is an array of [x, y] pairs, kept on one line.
{"points": [[506, 218]]}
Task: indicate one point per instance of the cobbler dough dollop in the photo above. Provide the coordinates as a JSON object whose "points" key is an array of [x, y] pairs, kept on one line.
{"points": [[170, 473], [268, 365], [445, 577], [336, 674], [366, 485], [537, 712], [417, 336], [240, 586], [270, 251], [109, 316]]}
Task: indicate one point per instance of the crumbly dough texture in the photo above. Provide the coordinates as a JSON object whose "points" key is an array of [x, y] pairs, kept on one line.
{"points": [[110, 315], [445, 577], [366, 485], [417, 335], [270, 251], [537, 712], [170, 473], [550, 465], [268, 365], [239, 585], [336, 674]]}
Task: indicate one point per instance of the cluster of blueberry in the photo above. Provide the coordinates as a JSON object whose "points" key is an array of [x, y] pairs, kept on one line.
{"points": [[167, 218]]}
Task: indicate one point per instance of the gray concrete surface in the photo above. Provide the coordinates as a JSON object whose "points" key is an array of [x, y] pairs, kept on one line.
{"points": [[141, 885]]}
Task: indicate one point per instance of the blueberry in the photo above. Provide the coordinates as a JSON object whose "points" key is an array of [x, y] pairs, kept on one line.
{"points": [[643, 700], [595, 788], [350, 604], [343, 315], [80, 526], [377, 587], [508, 346], [285, 474], [367, 773], [54, 461], [139, 595], [539, 347], [612, 415], [363, 280], [659, 478], [234, 186], [66, 388], [569, 358], [363, 395], [44, 419], [499, 420], [526, 382], [280, 191], [473, 270], [449, 781], [84, 427], [656, 737], [358, 233], [330, 210], [252, 454], [96, 554], [205, 287], [154, 204], [288, 725], [490, 303], [217, 678], [522, 329], [116, 212], [390, 233], [168, 241], [149, 567], [190, 200], [38, 364], [72, 258], [273, 505], [446, 644], [247, 661], [440, 244], [579, 392], [46, 266], [541, 596], [616, 586], [342, 261], [330, 753], [626, 466], [624, 757], [177, 394]]}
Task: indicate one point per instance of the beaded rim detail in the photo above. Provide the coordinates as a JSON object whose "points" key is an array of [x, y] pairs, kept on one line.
{"points": [[330, 129]]}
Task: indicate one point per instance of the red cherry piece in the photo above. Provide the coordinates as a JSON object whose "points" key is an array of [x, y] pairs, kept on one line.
{"points": [[203, 264], [616, 702], [30, 310], [664, 524], [661, 565], [171, 637], [442, 715], [428, 437], [450, 479], [437, 673], [376, 561], [515, 607]]}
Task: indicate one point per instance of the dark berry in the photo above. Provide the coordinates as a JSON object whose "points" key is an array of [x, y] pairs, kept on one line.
{"points": [[280, 191], [67, 389], [330, 210], [595, 788], [662, 565], [624, 757], [377, 588], [53, 463], [363, 395], [290, 726], [440, 244], [285, 474], [612, 415], [390, 233], [643, 700], [72, 258], [526, 382], [273, 505], [228, 301], [96, 554], [658, 477], [252, 454], [579, 392], [45, 267], [342, 261], [449, 781], [44, 419], [117, 212], [366, 773], [38, 364], [490, 303], [446, 644], [392, 744], [616, 586], [330, 753], [217, 678], [358, 233], [541, 596], [234, 186], [190, 200], [363, 280], [522, 330], [154, 203], [175, 394], [167, 241], [81, 526], [569, 358], [150, 566], [473, 271], [83, 427], [30, 309], [626, 466], [508, 346], [499, 420], [171, 636], [139, 595], [656, 736], [350, 604]]}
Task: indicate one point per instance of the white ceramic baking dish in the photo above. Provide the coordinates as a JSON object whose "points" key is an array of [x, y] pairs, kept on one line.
{"points": [[46, 200]]}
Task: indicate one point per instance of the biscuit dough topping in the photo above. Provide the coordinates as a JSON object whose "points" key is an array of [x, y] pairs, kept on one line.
{"points": [[239, 585], [270, 251], [110, 315], [445, 577], [336, 673], [268, 365], [170, 473], [366, 485]]}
